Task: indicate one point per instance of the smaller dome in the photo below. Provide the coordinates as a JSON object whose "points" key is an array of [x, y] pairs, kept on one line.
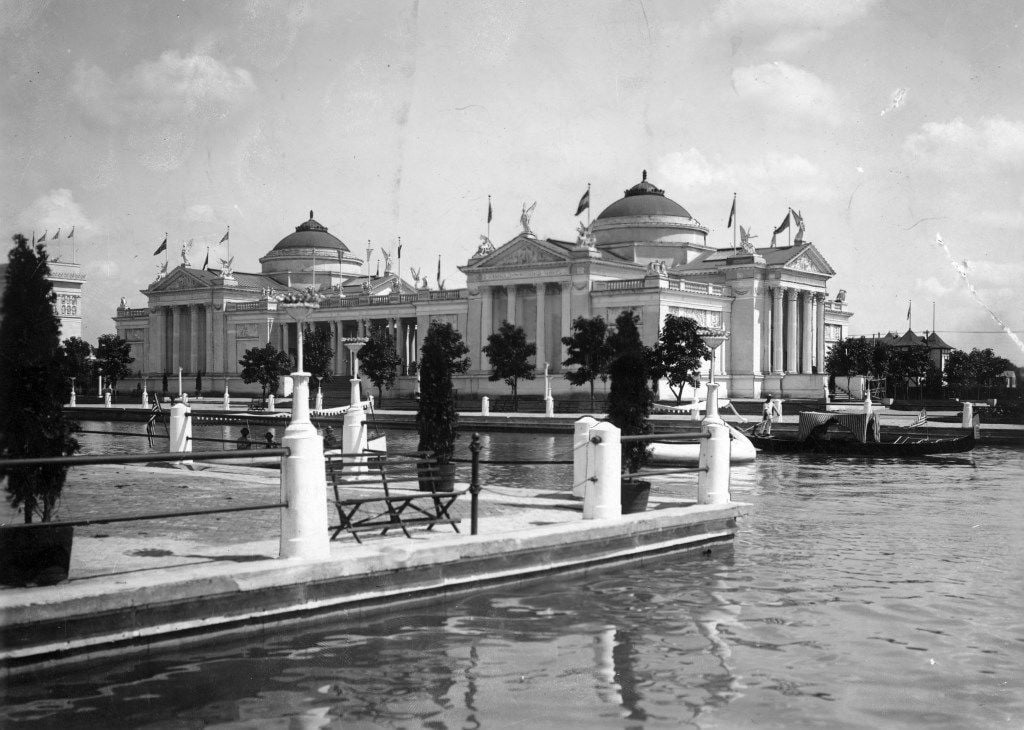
{"points": [[310, 234], [644, 198]]}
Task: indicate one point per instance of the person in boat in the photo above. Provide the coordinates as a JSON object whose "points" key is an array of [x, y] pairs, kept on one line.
{"points": [[329, 438], [243, 441], [767, 416], [269, 438]]}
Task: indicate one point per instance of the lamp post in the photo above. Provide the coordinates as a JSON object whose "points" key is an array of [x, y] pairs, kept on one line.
{"points": [[299, 307], [712, 338], [181, 392], [74, 401]]}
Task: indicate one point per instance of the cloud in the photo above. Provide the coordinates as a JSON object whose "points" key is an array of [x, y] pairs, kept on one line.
{"points": [[791, 25], [785, 89], [56, 209], [200, 213], [197, 86], [952, 145]]}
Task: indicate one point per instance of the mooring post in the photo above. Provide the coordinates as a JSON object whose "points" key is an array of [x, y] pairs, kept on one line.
{"points": [[270, 402], [353, 436], [485, 406], [227, 397], [713, 477], [580, 438], [695, 406], [303, 482], [549, 407], [603, 498], [180, 430], [106, 399], [474, 484], [967, 416], [145, 398]]}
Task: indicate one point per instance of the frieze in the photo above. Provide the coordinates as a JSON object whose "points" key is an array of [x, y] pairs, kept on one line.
{"points": [[246, 331], [526, 276]]}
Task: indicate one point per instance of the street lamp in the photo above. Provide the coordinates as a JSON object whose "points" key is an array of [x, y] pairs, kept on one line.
{"points": [[712, 337], [299, 306]]}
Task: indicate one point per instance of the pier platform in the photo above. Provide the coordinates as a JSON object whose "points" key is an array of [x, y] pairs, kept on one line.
{"points": [[135, 588]]}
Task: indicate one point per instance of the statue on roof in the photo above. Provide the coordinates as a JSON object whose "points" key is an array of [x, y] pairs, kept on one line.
{"points": [[185, 248], [524, 219], [799, 220], [584, 237], [225, 267], [387, 261], [485, 247], [161, 270], [745, 238], [415, 276]]}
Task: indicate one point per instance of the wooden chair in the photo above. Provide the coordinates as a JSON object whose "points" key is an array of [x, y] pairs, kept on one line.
{"points": [[381, 492]]}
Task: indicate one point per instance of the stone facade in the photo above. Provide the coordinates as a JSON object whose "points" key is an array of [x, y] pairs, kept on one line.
{"points": [[644, 252]]}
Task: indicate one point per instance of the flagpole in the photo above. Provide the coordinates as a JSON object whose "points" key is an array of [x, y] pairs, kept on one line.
{"points": [[588, 205], [789, 228], [399, 259], [933, 316], [735, 221]]}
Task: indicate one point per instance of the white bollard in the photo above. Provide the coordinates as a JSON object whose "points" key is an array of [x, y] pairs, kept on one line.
{"points": [[580, 436], [868, 406], [184, 398], [713, 479], [485, 406], [319, 405], [74, 398], [303, 482], [270, 402], [353, 391], [695, 406], [967, 416], [825, 394], [603, 498], [549, 407], [145, 398], [711, 407], [227, 398], [353, 435], [106, 399], [180, 431]]}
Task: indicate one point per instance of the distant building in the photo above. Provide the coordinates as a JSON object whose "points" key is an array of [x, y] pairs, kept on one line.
{"points": [[644, 253], [938, 350], [68, 280]]}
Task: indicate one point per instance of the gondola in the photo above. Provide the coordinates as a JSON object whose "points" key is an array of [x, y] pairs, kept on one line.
{"points": [[858, 434]]}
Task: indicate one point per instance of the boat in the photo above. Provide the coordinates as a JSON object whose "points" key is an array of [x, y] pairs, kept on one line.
{"points": [[858, 434], [671, 453]]}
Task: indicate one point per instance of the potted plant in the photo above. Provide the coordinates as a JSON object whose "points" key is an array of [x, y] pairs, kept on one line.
{"points": [[32, 422], [443, 354], [629, 404]]}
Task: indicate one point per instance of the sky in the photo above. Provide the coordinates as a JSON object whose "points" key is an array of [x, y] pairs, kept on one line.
{"points": [[885, 124]]}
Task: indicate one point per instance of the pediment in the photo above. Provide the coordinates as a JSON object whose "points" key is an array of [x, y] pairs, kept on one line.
{"points": [[523, 251], [812, 262], [177, 280]]}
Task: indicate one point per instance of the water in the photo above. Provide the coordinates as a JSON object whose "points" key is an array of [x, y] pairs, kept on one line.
{"points": [[858, 594]]}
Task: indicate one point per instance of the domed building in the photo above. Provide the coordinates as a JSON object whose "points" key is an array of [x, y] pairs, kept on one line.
{"points": [[644, 252]]}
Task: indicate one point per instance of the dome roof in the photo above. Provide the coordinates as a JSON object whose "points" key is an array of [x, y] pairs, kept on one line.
{"points": [[310, 234], [644, 199]]}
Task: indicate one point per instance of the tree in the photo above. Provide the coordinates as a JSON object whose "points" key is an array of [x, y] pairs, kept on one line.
{"points": [[852, 356], [443, 354], [265, 365], [74, 360], [509, 354], [629, 398], [378, 359], [678, 354], [114, 355], [32, 384], [587, 348], [317, 354]]}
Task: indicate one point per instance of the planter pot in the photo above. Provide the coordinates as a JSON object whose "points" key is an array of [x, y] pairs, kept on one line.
{"points": [[436, 477], [39, 555], [634, 496]]}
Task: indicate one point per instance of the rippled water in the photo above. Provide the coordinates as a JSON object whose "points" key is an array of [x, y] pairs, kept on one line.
{"points": [[858, 594]]}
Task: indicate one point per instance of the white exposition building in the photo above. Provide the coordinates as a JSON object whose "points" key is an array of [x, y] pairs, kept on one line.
{"points": [[644, 253]]}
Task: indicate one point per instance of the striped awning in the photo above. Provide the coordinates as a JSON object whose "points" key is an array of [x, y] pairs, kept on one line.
{"points": [[856, 423]]}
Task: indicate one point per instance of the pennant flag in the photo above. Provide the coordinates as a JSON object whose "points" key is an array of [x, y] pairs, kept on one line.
{"points": [[732, 211], [584, 202], [72, 234], [206, 261], [42, 237], [162, 246], [227, 233], [490, 211], [798, 221], [910, 304], [439, 269], [782, 226], [922, 418], [399, 247], [56, 235]]}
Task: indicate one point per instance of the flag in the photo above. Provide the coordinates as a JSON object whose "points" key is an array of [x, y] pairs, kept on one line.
{"points": [[438, 269], [72, 234], [56, 235], [490, 211], [909, 305], [206, 261], [227, 233], [922, 418], [399, 247], [162, 246], [584, 202], [782, 226], [41, 238], [732, 211]]}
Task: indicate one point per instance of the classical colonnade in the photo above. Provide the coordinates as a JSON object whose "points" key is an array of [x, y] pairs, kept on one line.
{"points": [[796, 331], [404, 330], [541, 309], [181, 336]]}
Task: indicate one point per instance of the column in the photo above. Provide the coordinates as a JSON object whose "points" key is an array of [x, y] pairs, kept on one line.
{"points": [[566, 318], [510, 305], [175, 339], [155, 364], [486, 321], [807, 333], [766, 333], [208, 362], [792, 366], [541, 328], [777, 330], [819, 300], [193, 338]]}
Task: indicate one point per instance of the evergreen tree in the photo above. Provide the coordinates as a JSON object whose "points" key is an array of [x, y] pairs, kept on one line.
{"points": [[74, 361], [32, 385], [113, 354], [443, 354], [509, 354], [678, 354], [265, 365], [317, 354], [378, 359], [629, 398], [587, 349]]}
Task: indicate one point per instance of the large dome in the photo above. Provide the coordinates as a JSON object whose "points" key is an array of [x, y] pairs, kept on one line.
{"points": [[310, 234], [644, 199]]}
